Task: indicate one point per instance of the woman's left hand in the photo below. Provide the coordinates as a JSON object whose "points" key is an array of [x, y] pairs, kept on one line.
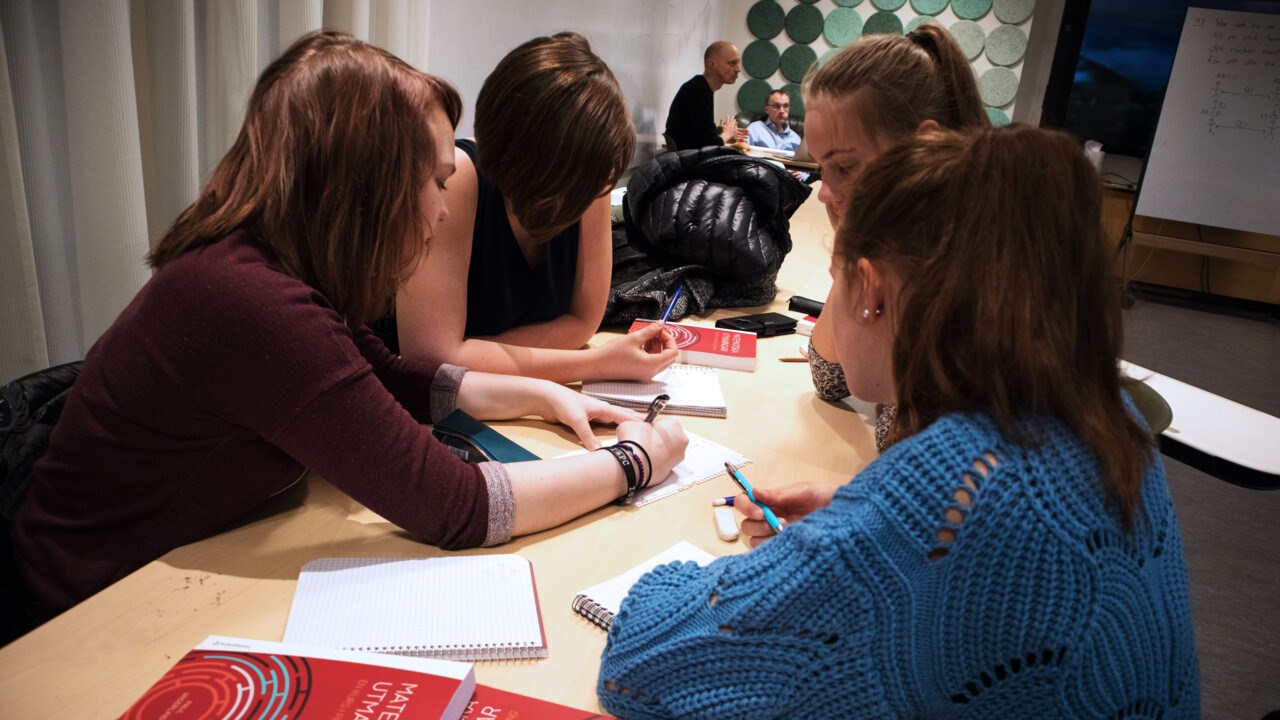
{"points": [[578, 411]]}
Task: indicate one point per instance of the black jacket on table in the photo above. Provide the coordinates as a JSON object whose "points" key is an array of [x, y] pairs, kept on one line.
{"points": [[711, 220]]}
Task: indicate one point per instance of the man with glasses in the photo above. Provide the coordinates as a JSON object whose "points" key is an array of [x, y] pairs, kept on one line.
{"points": [[774, 132]]}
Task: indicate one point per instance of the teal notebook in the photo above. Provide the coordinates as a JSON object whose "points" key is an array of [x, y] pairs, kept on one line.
{"points": [[476, 442]]}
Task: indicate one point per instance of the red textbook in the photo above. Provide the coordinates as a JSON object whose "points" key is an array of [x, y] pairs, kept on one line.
{"points": [[227, 677], [716, 347], [494, 704]]}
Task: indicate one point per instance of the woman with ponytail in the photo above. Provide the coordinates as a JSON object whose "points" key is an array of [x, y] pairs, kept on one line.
{"points": [[876, 92], [1014, 553]]}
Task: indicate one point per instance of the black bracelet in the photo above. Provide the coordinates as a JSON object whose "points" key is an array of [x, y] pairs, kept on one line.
{"points": [[642, 478], [628, 471], [645, 479]]}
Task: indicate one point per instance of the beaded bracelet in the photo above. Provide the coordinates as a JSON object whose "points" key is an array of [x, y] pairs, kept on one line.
{"points": [[645, 479], [628, 471]]}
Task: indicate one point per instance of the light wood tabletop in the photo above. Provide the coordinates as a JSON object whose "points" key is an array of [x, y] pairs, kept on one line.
{"points": [[97, 658]]}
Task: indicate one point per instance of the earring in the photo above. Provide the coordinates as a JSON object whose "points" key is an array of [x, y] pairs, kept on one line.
{"points": [[866, 313]]}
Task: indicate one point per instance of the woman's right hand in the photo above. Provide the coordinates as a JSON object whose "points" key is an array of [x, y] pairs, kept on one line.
{"points": [[663, 439], [789, 503], [635, 356]]}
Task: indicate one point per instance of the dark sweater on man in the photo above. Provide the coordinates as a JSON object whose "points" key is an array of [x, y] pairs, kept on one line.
{"points": [[216, 387], [691, 121]]}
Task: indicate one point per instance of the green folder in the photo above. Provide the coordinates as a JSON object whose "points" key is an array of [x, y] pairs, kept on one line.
{"points": [[478, 442]]}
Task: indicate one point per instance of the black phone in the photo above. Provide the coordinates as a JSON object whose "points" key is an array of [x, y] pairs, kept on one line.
{"points": [[762, 324]]}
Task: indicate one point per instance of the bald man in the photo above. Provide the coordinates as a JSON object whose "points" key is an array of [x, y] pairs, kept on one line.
{"points": [[691, 119]]}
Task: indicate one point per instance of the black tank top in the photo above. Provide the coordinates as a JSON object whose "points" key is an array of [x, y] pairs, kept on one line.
{"points": [[503, 291]]}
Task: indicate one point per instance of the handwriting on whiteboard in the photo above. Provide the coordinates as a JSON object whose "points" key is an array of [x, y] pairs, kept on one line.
{"points": [[1245, 94]]}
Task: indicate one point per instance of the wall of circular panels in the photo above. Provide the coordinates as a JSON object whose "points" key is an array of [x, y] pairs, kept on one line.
{"points": [[788, 36]]}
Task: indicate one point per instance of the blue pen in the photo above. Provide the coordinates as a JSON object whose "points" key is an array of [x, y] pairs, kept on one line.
{"points": [[672, 306], [769, 517]]}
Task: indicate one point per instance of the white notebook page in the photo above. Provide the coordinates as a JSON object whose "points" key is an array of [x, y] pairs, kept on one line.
{"points": [[609, 594], [693, 389], [457, 607]]}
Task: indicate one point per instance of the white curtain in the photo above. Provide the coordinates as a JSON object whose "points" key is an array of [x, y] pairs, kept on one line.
{"points": [[112, 116]]}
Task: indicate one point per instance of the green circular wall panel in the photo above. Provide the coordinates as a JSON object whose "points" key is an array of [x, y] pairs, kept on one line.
{"points": [[929, 7], [1006, 45], [752, 94], [765, 19], [882, 23], [828, 55], [969, 36], [804, 23], [998, 86], [889, 5], [970, 9], [1013, 12], [843, 26], [760, 59], [922, 20], [796, 61], [797, 100], [848, 3], [808, 2], [997, 117]]}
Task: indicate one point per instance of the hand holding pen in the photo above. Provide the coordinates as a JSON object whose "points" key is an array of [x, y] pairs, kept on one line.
{"points": [[766, 513], [788, 504]]}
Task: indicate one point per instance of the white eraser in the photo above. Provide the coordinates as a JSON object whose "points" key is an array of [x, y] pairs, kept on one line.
{"points": [[726, 528]]}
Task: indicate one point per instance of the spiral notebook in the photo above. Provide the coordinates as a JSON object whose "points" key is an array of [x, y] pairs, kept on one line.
{"points": [[600, 603], [481, 607], [693, 389]]}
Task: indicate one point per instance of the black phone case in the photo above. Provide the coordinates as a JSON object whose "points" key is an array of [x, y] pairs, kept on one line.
{"points": [[762, 324]]}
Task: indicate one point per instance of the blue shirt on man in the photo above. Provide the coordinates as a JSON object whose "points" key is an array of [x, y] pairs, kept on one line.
{"points": [[762, 133]]}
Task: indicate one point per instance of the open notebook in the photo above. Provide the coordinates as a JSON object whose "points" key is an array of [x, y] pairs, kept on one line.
{"points": [[599, 603], [482, 607], [693, 389]]}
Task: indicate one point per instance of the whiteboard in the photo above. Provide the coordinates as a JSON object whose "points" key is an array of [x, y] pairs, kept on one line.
{"points": [[1215, 159]]}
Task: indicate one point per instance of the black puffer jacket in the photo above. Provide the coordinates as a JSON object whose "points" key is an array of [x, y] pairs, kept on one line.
{"points": [[712, 220]]}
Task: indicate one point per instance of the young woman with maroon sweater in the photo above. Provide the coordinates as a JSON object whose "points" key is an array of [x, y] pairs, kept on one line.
{"points": [[245, 360]]}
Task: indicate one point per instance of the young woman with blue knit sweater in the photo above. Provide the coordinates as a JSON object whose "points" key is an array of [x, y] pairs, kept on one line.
{"points": [[1014, 551]]}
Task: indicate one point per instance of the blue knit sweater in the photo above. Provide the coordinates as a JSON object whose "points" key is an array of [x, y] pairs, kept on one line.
{"points": [[1036, 604]]}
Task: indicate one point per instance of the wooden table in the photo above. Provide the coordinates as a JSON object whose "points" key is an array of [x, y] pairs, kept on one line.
{"points": [[95, 659]]}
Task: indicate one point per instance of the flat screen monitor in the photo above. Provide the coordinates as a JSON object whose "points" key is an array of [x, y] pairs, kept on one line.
{"points": [[1112, 64]]}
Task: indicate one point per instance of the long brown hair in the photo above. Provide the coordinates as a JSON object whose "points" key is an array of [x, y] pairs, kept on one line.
{"points": [[552, 131], [902, 81], [1008, 306], [326, 170]]}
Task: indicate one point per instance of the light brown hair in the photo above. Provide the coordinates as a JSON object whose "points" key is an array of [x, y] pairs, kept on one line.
{"points": [[552, 131], [901, 82], [1008, 305], [327, 170]]}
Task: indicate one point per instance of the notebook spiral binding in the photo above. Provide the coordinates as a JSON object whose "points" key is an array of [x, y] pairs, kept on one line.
{"points": [[470, 653], [593, 611]]}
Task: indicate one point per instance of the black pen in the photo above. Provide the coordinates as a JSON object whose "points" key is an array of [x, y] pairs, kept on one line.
{"points": [[656, 406]]}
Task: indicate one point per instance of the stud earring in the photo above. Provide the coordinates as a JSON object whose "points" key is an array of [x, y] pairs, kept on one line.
{"points": [[866, 313]]}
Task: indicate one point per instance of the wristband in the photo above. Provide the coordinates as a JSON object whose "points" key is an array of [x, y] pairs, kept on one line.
{"points": [[645, 479], [628, 471]]}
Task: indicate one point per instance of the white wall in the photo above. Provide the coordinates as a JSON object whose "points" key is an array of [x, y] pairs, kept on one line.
{"points": [[652, 46]]}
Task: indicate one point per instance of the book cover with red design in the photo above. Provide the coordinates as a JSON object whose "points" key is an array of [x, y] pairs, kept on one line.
{"points": [[804, 326], [494, 704], [242, 679], [716, 347]]}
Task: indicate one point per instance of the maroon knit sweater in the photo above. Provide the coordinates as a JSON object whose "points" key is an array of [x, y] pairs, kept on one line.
{"points": [[213, 390]]}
